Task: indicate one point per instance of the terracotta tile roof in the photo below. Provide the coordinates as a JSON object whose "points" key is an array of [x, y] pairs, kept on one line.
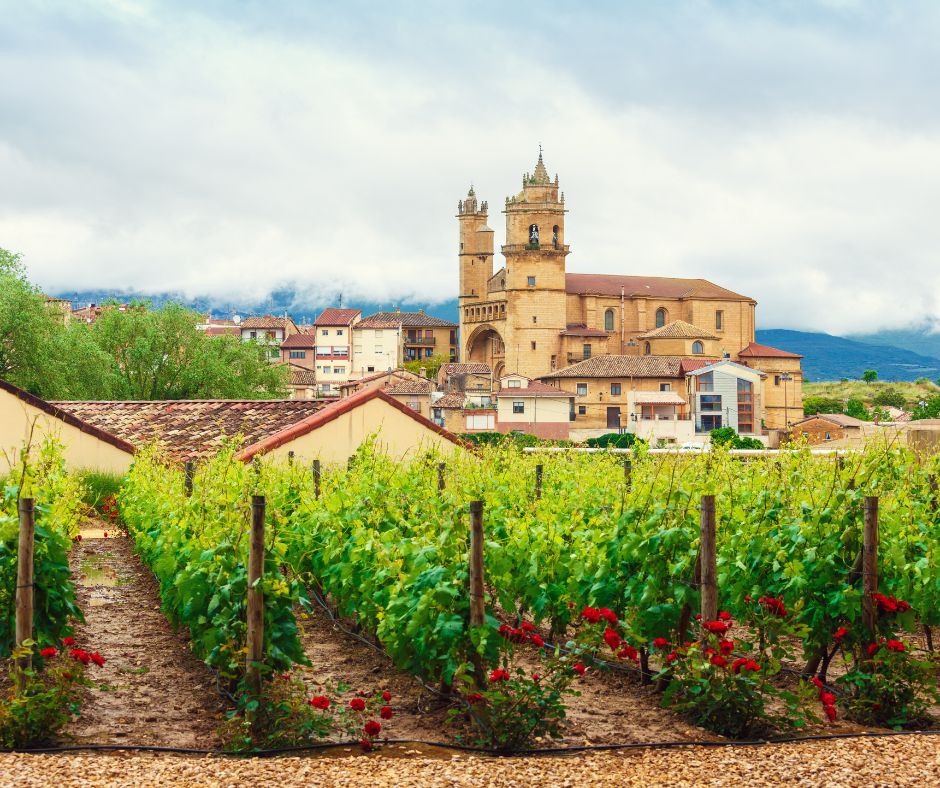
{"points": [[67, 416], [336, 317], [268, 321], [299, 341], [678, 329], [754, 350], [658, 398], [650, 286], [622, 367], [534, 389], [839, 419], [581, 330], [410, 387], [222, 331], [687, 365], [193, 429], [391, 374], [299, 376], [408, 319], [469, 368], [452, 401]]}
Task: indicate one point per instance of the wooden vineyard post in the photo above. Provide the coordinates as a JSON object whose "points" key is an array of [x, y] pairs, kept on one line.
{"points": [[316, 478], [255, 638], [477, 608], [441, 467], [188, 477], [870, 568], [628, 473], [538, 481], [708, 556], [24, 579], [290, 458], [934, 493]]}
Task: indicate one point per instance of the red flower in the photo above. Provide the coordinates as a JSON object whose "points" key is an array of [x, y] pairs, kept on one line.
{"points": [[726, 646], [608, 614], [571, 606], [579, 669], [97, 659], [827, 698], [839, 634], [724, 615], [716, 627], [474, 697], [739, 663], [591, 614], [873, 649], [536, 677], [774, 605], [698, 616], [82, 656], [48, 653], [386, 696], [660, 643], [105, 534], [320, 702], [747, 597], [372, 728], [527, 627], [752, 666], [69, 641], [830, 712], [672, 657], [499, 675], [611, 638], [895, 645], [537, 639], [357, 704], [67, 675], [385, 712], [817, 682], [628, 652], [515, 635], [719, 660], [366, 745], [78, 538]]}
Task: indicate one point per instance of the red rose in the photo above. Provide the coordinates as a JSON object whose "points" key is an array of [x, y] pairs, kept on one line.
{"points": [[579, 669], [739, 663], [672, 657], [499, 675], [320, 702], [97, 659], [751, 665], [660, 643], [719, 660], [628, 652], [895, 645], [78, 538], [537, 639], [830, 712], [698, 616], [69, 641], [817, 682], [82, 656], [716, 627], [724, 615], [366, 745], [372, 728], [747, 597], [527, 627], [827, 698], [536, 677], [839, 634], [474, 697], [774, 605], [611, 638], [571, 606], [105, 534], [386, 696], [67, 675], [385, 712], [873, 649], [357, 704], [48, 653], [591, 614], [608, 614], [726, 646]]}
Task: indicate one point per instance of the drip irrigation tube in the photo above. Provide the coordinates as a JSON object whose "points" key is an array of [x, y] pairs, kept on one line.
{"points": [[660, 745]]}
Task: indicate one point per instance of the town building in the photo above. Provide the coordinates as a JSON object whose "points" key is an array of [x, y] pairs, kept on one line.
{"points": [[333, 360], [268, 331], [833, 429], [526, 405], [388, 340], [534, 318]]}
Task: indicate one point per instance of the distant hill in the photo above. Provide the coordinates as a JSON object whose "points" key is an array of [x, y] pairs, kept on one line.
{"points": [[924, 339], [826, 357]]}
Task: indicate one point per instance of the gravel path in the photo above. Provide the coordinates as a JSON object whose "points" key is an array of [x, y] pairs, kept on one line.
{"points": [[901, 761], [151, 690]]}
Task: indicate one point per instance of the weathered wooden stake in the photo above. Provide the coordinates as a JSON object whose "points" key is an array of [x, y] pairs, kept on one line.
{"points": [[24, 578], [441, 467], [538, 481], [188, 471], [870, 567], [708, 555], [255, 639], [477, 607], [316, 478], [934, 493], [290, 458], [628, 473]]}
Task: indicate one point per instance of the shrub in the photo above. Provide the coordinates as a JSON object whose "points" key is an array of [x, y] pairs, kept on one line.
{"points": [[857, 410], [99, 487], [726, 436], [614, 440], [890, 397], [814, 405], [927, 409]]}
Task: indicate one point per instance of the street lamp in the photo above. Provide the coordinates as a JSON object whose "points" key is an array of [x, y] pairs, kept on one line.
{"points": [[786, 377]]}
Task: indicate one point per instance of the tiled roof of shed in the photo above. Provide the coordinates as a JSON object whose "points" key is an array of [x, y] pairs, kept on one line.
{"points": [[407, 319], [622, 367], [299, 341], [336, 317], [409, 387], [468, 368]]}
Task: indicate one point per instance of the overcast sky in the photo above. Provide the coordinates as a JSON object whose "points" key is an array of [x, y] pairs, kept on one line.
{"points": [[788, 150]]}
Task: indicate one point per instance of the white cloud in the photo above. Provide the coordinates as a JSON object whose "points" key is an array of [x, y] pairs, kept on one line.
{"points": [[792, 155]]}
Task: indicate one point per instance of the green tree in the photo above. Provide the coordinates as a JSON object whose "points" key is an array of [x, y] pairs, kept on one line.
{"points": [[856, 409], [890, 397], [432, 365], [870, 375], [927, 409], [814, 405]]}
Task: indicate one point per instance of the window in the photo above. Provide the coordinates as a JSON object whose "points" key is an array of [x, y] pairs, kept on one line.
{"points": [[515, 384], [554, 361], [828, 436], [325, 332], [697, 348], [298, 354], [776, 380], [415, 405], [581, 389], [711, 422], [705, 381], [582, 410], [647, 349], [534, 236], [660, 317], [531, 281], [609, 320], [339, 370], [615, 389], [555, 236], [710, 402], [665, 386], [428, 352], [586, 351], [533, 345], [518, 406], [719, 320], [370, 369], [253, 335], [339, 332], [745, 406], [326, 370], [535, 319]]}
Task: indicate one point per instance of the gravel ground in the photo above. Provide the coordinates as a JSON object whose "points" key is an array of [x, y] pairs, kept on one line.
{"points": [[901, 761]]}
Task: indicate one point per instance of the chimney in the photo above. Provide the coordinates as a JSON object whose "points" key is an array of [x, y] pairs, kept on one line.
{"points": [[423, 372]]}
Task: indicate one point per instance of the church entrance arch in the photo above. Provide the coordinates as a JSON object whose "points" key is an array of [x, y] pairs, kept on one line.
{"points": [[486, 345]]}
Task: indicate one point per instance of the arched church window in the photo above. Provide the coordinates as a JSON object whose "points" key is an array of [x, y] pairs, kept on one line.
{"points": [[533, 235], [555, 236], [609, 320], [698, 348], [660, 317], [647, 349]]}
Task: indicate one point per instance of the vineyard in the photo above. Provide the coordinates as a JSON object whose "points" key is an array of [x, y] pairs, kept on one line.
{"points": [[750, 597]]}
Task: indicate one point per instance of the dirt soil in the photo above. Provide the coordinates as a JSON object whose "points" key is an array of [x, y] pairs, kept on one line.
{"points": [[151, 690], [868, 763]]}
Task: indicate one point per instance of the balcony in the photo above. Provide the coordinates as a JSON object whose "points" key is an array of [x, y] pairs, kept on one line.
{"points": [[574, 358], [426, 341]]}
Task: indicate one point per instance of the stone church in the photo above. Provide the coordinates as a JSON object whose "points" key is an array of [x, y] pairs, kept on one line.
{"points": [[533, 317]]}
